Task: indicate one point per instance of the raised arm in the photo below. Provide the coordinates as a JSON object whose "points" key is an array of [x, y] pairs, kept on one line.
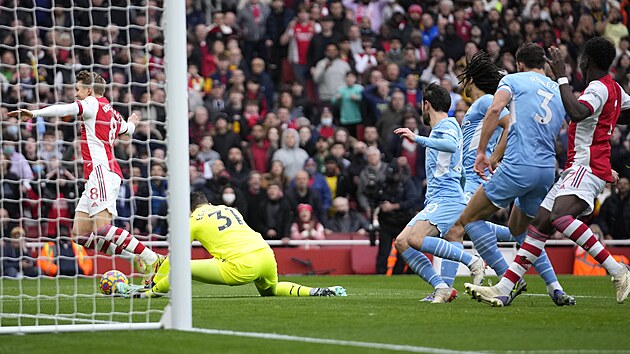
{"points": [[577, 110], [447, 143]]}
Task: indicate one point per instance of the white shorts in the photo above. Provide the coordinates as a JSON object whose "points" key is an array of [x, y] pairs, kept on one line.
{"points": [[101, 191], [578, 181]]}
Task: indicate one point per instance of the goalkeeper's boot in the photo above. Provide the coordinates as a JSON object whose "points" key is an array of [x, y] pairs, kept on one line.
{"points": [[330, 291], [429, 297], [488, 295], [622, 284], [444, 295], [151, 270], [560, 298]]}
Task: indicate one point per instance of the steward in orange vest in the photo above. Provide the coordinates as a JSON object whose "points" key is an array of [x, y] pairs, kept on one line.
{"points": [[65, 258]]}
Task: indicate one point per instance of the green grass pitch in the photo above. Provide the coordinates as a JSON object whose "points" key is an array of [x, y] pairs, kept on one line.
{"points": [[377, 310]]}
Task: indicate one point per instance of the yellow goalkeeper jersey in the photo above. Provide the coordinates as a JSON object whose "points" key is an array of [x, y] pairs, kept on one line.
{"points": [[223, 232]]}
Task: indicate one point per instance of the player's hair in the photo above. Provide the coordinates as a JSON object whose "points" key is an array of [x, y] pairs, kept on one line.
{"points": [[532, 55], [483, 72], [438, 97], [197, 199], [94, 80], [601, 52]]}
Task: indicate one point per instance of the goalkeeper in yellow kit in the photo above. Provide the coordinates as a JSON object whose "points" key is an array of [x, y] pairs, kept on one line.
{"points": [[241, 256]]}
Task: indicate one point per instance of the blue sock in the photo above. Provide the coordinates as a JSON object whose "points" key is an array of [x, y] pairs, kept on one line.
{"points": [[422, 266], [485, 241], [544, 268], [502, 232], [443, 249], [449, 268]]}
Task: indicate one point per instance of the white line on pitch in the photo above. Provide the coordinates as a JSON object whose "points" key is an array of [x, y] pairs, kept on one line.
{"points": [[346, 343]]}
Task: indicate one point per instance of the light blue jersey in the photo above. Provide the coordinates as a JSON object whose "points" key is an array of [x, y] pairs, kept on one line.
{"points": [[536, 116], [444, 200], [471, 132], [444, 169]]}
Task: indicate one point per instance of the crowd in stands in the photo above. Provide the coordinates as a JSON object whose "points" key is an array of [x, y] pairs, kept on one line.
{"points": [[290, 102]]}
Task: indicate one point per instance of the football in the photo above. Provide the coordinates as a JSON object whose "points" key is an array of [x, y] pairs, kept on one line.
{"points": [[109, 281]]}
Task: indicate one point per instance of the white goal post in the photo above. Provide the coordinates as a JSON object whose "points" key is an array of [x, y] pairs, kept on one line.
{"points": [[73, 303]]}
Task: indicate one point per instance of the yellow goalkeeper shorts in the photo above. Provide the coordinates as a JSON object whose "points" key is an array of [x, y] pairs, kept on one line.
{"points": [[258, 267]]}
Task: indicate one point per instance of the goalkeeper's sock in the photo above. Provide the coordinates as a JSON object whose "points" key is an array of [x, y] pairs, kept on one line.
{"points": [[126, 242], [285, 288]]}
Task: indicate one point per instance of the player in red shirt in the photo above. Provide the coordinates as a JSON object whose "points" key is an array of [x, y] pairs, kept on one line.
{"points": [[101, 126], [593, 117]]}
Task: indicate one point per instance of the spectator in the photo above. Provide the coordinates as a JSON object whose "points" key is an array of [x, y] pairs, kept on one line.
{"points": [[375, 100], [217, 177], [366, 58], [277, 23], [318, 183], [370, 179], [291, 156], [269, 217], [206, 154], [307, 227], [232, 197], [254, 195], [410, 151], [200, 125], [320, 41], [329, 74], [346, 220], [306, 140], [215, 101], [337, 181], [252, 19], [614, 215], [326, 127], [10, 189], [260, 151], [224, 139], [16, 257], [438, 70], [391, 118], [237, 168], [336, 11], [348, 97], [263, 77], [298, 36], [19, 165], [301, 193], [158, 205]]}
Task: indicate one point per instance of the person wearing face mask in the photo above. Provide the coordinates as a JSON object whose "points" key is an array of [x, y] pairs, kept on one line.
{"points": [[326, 128], [232, 197]]}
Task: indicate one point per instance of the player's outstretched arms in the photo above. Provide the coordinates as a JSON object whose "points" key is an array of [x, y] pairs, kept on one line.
{"points": [[58, 110], [23, 114], [447, 144], [576, 110]]}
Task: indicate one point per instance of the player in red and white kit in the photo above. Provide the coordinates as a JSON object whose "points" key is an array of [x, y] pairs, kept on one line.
{"points": [[593, 117], [101, 126]]}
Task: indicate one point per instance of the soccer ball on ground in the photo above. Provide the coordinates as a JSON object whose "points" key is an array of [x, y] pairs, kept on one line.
{"points": [[110, 279]]}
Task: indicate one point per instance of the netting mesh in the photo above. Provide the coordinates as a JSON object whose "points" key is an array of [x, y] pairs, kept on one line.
{"points": [[43, 44]]}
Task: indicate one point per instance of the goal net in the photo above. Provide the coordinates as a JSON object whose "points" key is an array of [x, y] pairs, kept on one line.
{"points": [[49, 283]]}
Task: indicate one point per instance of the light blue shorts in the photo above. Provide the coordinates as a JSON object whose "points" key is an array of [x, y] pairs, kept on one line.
{"points": [[472, 183], [441, 213], [527, 186]]}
